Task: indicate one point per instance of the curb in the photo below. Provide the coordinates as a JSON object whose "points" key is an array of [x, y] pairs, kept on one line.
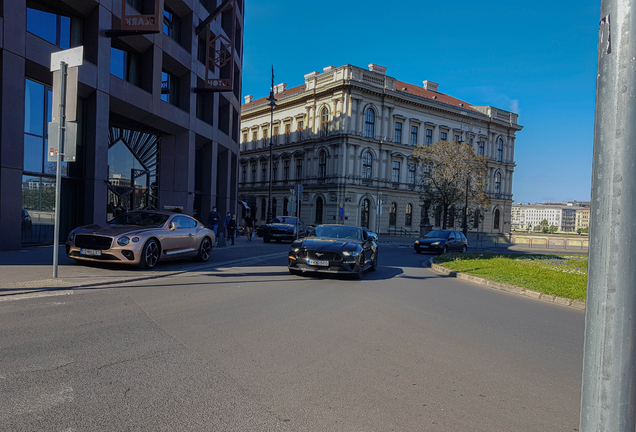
{"points": [[60, 284], [549, 298]]}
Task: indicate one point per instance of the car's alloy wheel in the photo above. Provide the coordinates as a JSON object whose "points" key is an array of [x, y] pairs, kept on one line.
{"points": [[444, 250], [360, 271], [150, 254], [204, 250], [374, 263], [464, 249]]}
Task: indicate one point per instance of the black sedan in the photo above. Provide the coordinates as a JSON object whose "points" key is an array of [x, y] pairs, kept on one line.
{"points": [[334, 249], [441, 242], [283, 228]]}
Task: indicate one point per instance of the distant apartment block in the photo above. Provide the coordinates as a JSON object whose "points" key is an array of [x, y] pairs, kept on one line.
{"points": [[582, 218], [564, 215]]}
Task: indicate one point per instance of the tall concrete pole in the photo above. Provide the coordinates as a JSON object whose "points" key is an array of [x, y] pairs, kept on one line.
{"points": [[609, 384]]}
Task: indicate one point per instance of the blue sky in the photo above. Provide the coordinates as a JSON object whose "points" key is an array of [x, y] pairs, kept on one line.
{"points": [[535, 58]]}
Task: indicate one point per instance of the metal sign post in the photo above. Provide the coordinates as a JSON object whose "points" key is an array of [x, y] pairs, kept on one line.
{"points": [[60, 62]]}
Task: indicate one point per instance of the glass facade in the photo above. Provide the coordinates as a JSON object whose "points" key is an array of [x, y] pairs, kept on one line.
{"points": [[38, 179]]}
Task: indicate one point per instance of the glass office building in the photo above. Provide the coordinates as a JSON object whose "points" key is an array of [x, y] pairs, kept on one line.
{"points": [[146, 137]]}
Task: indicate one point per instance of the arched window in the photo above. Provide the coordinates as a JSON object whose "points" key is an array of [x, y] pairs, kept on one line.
{"points": [[263, 208], [498, 182], [285, 204], [409, 215], [499, 150], [322, 164], [367, 166], [319, 204], [495, 224], [324, 121], [274, 207], [477, 217], [369, 124], [393, 214], [364, 219]]}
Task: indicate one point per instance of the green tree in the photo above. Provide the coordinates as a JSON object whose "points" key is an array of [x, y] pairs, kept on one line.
{"points": [[544, 224], [553, 228], [445, 170]]}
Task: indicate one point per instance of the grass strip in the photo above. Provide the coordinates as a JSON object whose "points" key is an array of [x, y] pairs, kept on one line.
{"points": [[561, 275]]}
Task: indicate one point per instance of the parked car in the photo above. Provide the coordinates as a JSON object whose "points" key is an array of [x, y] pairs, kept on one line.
{"points": [[334, 249], [283, 228], [27, 222], [143, 238], [441, 242]]}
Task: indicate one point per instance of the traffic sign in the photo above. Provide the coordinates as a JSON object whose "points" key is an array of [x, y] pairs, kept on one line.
{"points": [[72, 57]]}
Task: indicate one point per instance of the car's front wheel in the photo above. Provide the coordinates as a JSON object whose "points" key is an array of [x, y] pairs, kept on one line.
{"points": [[205, 248], [444, 250], [150, 254], [360, 269], [374, 263], [464, 249]]}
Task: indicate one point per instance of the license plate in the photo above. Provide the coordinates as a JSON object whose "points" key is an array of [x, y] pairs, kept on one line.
{"points": [[276, 235], [318, 263], [91, 252], [423, 247]]}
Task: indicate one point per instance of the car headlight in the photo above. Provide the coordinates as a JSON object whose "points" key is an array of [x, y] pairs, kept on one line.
{"points": [[123, 241], [435, 243], [353, 254], [417, 242], [71, 236], [295, 249], [135, 239]]}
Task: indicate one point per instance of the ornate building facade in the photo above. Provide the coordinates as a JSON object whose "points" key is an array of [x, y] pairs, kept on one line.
{"points": [[348, 134]]}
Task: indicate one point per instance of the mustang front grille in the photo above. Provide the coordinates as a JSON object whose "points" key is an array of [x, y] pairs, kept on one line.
{"points": [[331, 256]]}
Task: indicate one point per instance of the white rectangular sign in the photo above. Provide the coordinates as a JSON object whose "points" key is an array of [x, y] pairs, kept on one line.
{"points": [[72, 57]]}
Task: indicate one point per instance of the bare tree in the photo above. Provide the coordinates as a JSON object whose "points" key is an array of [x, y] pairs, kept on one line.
{"points": [[447, 169]]}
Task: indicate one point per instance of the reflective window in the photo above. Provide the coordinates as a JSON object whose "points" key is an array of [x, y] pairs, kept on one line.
{"points": [[429, 137], [132, 170], [411, 173], [414, 135], [171, 25], [322, 164], [499, 150], [496, 220], [498, 182], [299, 169], [398, 132], [59, 30], [366, 205], [482, 146], [367, 166], [319, 206], [125, 65], [392, 214], [369, 124], [274, 205], [324, 122], [409, 215], [395, 178], [444, 136], [169, 88]]}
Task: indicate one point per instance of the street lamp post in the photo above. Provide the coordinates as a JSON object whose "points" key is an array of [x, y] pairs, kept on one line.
{"points": [[465, 230], [272, 104]]}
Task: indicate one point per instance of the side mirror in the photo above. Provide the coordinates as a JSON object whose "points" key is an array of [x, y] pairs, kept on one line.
{"points": [[173, 226]]}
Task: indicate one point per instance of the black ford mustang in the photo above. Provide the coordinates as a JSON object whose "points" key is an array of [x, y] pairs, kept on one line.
{"points": [[334, 249]]}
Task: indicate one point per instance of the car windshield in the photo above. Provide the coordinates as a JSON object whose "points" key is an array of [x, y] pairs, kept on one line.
{"points": [[438, 234], [341, 232], [285, 220], [147, 219]]}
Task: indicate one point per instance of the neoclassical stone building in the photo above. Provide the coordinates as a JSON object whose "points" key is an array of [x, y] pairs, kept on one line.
{"points": [[348, 134]]}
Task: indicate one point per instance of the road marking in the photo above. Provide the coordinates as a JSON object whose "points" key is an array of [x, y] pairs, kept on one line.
{"points": [[24, 296]]}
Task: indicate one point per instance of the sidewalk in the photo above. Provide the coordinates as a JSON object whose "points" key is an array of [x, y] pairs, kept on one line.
{"points": [[31, 269]]}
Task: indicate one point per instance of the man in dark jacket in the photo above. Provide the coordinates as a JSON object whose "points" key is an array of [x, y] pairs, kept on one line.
{"points": [[227, 220], [213, 220], [231, 228]]}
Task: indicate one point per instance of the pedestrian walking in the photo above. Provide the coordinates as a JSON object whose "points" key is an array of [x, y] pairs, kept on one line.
{"points": [[249, 227], [231, 228], [228, 218], [213, 220]]}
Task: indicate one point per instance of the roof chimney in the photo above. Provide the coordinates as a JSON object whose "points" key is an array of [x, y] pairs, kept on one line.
{"points": [[430, 85], [249, 98], [279, 88], [377, 68]]}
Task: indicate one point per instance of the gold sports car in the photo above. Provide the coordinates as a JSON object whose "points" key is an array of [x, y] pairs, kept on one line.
{"points": [[143, 238]]}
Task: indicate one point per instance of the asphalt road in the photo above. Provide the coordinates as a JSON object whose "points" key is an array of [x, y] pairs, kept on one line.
{"points": [[253, 348]]}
